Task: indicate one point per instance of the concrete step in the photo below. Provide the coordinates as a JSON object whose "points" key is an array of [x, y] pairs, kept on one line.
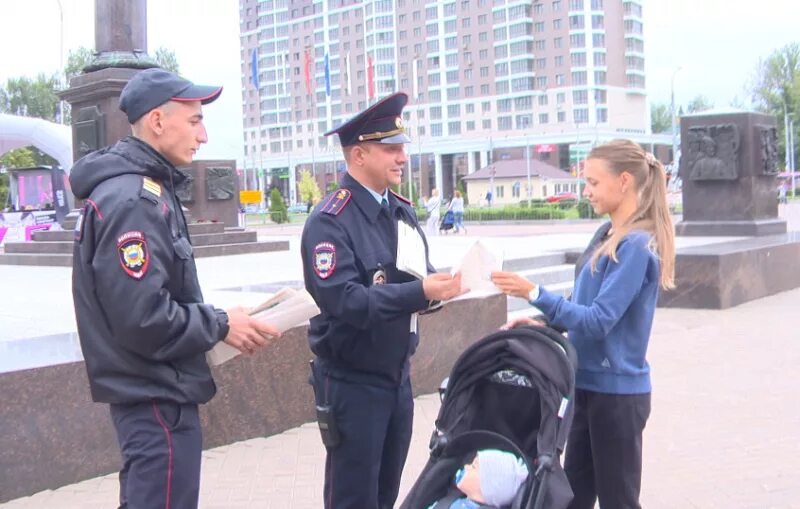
{"points": [[204, 228], [54, 235], [235, 249], [549, 275], [39, 247], [65, 259], [227, 237], [194, 229], [41, 260], [533, 262]]}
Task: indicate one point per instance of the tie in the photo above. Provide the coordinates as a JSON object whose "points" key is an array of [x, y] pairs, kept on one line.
{"points": [[385, 204]]}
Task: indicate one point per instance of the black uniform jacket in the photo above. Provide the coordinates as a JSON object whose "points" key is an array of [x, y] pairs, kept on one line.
{"points": [[349, 246], [143, 327]]}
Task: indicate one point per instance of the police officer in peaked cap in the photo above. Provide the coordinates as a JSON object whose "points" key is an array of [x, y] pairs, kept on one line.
{"points": [[367, 329]]}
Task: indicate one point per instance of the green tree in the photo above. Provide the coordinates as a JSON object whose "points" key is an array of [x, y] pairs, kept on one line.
{"points": [[698, 104], [166, 59], [277, 207], [776, 89], [659, 118], [77, 60], [30, 97], [309, 190], [19, 158]]}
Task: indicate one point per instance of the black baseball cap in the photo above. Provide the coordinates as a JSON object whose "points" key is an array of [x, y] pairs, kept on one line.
{"points": [[151, 88]]}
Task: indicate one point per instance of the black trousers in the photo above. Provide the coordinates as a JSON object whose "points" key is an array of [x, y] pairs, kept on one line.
{"points": [[604, 449], [161, 444], [363, 471]]}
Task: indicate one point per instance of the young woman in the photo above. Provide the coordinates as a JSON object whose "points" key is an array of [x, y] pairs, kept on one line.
{"points": [[457, 206], [609, 319]]}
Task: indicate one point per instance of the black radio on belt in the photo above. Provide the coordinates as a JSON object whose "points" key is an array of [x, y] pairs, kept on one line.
{"points": [[327, 426]]}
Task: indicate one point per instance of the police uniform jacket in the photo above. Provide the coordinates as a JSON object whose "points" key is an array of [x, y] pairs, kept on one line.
{"points": [[363, 333], [143, 327]]}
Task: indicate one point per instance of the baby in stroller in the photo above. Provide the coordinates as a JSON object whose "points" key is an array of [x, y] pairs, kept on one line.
{"points": [[491, 480], [510, 392]]}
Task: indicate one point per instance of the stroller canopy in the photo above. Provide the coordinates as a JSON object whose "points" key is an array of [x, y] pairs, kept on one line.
{"points": [[517, 385]]}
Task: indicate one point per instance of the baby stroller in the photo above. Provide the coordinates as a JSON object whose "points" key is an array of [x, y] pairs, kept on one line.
{"points": [[512, 391], [447, 221]]}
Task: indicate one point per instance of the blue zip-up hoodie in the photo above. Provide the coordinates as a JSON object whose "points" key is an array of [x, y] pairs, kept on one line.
{"points": [[610, 317]]}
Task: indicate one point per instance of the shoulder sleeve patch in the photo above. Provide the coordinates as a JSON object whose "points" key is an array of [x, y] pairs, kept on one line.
{"points": [[401, 197], [336, 202]]}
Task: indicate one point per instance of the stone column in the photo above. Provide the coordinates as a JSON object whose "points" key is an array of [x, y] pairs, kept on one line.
{"points": [[121, 43], [439, 181], [484, 159], [470, 163]]}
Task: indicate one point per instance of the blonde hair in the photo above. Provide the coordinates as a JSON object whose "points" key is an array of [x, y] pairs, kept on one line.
{"points": [[652, 213]]}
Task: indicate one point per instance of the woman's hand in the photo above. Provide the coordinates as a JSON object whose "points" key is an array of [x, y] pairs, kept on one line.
{"points": [[512, 284], [522, 322]]}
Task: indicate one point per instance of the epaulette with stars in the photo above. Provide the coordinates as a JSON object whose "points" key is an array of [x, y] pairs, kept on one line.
{"points": [[337, 202], [401, 197]]}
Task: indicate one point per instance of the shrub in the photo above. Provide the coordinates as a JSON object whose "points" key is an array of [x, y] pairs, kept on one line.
{"points": [[278, 212], [585, 210], [567, 204]]}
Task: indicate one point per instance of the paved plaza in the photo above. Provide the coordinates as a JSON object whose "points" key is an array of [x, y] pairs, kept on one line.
{"points": [[724, 431]]}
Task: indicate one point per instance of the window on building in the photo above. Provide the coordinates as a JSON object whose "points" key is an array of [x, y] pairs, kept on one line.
{"points": [[485, 89], [557, 24], [597, 21], [436, 129], [454, 128], [576, 22], [599, 77], [580, 97], [523, 121], [486, 124], [578, 78], [577, 40], [602, 115], [580, 115]]}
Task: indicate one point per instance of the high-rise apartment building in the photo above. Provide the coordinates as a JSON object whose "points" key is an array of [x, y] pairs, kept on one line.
{"points": [[483, 76]]}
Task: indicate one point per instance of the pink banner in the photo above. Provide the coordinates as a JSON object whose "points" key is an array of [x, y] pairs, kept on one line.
{"points": [[35, 228], [3, 231]]}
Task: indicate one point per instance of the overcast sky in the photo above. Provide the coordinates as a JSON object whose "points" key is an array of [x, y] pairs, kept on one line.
{"points": [[717, 43]]}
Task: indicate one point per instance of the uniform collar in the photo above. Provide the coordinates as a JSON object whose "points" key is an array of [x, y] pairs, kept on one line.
{"points": [[379, 197], [366, 199]]}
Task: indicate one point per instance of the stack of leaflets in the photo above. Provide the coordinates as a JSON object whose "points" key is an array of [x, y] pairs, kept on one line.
{"points": [[287, 309]]}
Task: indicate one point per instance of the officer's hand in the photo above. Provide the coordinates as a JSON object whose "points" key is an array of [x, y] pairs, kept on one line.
{"points": [[442, 286], [246, 333]]}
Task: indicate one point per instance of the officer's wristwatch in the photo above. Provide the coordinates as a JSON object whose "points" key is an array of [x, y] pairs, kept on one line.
{"points": [[534, 294]]}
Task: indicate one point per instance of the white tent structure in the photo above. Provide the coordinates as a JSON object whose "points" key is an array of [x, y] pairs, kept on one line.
{"points": [[53, 139]]}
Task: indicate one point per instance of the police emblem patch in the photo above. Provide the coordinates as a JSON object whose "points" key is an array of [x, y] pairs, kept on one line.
{"points": [[324, 259], [133, 255]]}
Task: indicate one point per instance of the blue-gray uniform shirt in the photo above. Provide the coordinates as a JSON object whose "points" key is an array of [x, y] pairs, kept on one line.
{"points": [[349, 246]]}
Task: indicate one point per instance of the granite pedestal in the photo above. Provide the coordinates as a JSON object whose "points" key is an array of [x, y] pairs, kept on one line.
{"points": [[52, 434]]}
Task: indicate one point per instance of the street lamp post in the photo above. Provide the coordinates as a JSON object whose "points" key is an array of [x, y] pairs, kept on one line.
{"points": [[63, 74], [674, 119], [528, 165]]}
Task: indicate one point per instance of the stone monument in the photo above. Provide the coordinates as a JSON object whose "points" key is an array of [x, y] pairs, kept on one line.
{"points": [[728, 167], [728, 170], [120, 28]]}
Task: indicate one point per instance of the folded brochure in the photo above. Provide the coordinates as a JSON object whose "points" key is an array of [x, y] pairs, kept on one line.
{"points": [[285, 310]]}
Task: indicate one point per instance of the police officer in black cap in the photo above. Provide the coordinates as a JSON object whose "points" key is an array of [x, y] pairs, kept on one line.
{"points": [[367, 330], [143, 326]]}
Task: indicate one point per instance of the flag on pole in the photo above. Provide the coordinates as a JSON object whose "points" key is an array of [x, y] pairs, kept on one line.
{"points": [[307, 70], [348, 83], [414, 79], [254, 67], [370, 78], [327, 75]]}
